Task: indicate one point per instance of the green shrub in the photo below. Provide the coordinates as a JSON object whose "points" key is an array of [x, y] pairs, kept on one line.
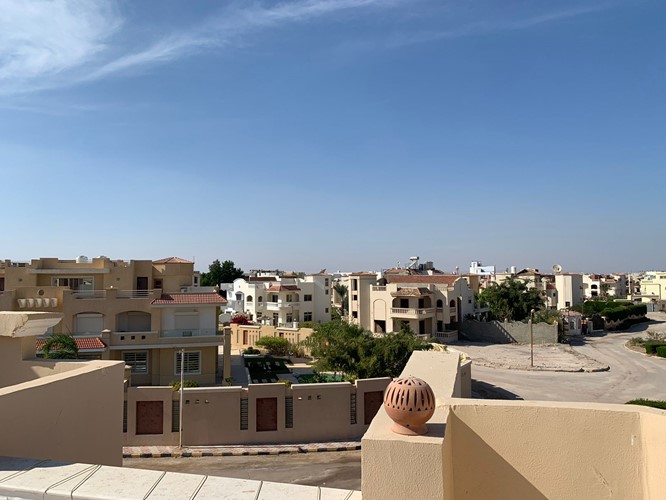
{"points": [[640, 341], [275, 345], [175, 384], [251, 350], [661, 351], [651, 347], [648, 402]]}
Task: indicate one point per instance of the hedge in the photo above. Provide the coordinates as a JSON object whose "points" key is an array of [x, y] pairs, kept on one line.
{"points": [[623, 312], [648, 402], [651, 347], [661, 351]]}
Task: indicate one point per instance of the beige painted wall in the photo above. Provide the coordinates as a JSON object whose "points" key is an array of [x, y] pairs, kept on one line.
{"points": [[244, 336], [70, 416], [211, 415]]}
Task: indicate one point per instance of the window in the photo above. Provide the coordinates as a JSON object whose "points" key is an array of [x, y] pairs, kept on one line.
{"points": [[307, 298], [327, 291], [192, 364], [326, 282], [138, 360], [307, 316], [354, 314], [326, 310], [290, 298], [249, 298], [260, 299], [81, 284]]}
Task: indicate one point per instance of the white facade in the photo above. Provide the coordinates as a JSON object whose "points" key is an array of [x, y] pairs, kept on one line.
{"points": [[283, 301], [569, 290]]}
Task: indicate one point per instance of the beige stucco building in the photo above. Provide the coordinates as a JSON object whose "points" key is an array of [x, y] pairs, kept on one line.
{"points": [[432, 305], [653, 286], [139, 311]]}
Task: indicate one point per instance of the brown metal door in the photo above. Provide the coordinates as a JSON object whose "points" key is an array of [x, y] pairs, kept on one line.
{"points": [[372, 401], [149, 417], [266, 414]]}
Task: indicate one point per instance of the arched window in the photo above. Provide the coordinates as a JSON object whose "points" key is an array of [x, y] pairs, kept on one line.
{"points": [[260, 299], [452, 303], [440, 304], [249, 298]]}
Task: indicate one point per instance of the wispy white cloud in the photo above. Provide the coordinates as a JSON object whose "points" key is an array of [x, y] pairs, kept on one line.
{"points": [[486, 26], [43, 39], [46, 44]]}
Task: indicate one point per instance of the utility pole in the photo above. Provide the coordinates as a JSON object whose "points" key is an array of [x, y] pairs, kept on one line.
{"points": [[180, 405], [532, 338]]}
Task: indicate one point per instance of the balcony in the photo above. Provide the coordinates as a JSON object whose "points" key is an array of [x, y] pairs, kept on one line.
{"points": [[412, 313], [189, 332], [281, 305], [378, 288], [89, 294], [133, 294]]}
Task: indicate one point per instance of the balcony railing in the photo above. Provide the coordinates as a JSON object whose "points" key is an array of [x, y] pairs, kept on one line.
{"points": [[189, 332], [412, 311], [133, 294], [89, 294], [281, 304], [378, 288]]}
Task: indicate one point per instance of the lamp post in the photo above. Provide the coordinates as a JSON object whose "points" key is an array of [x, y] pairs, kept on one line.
{"points": [[180, 405], [532, 338]]}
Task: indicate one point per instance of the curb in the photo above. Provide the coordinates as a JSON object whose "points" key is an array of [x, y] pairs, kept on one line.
{"points": [[241, 452]]}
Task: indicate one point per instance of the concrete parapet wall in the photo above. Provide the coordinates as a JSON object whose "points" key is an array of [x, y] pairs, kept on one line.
{"points": [[217, 415], [508, 332], [62, 416]]}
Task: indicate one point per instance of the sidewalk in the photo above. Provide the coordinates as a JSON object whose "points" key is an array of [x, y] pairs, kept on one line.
{"points": [[236, 450]]}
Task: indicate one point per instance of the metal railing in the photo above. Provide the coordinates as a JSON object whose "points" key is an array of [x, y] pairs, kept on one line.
{"points": [[133, 294], [378, 288], [89, 294], [189, 332]]}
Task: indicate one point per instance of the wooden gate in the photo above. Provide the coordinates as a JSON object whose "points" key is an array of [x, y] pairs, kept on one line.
{"points": [[372, 401], [266, 414], [149, 417]]}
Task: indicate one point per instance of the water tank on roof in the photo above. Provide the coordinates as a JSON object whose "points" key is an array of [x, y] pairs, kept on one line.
{"points": [[82, 259], [514, 270]]}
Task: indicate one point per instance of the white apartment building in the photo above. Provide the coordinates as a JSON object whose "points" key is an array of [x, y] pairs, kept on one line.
{"points": [[283, 300], [570, 291], [430, 304], [602, 285], [653, 286]]}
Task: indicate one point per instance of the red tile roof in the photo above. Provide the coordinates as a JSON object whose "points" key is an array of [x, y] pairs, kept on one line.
{"points": [[172, 260], [282, 288], [177, 299], [83, 343], [447, 279]]}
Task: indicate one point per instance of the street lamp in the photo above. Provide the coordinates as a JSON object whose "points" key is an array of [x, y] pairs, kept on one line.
{"points": [[532, 338], [180, 404]]}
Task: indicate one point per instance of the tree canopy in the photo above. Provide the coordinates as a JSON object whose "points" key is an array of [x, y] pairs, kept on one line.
{"points": [[60, 346], [225, 272], [347, 348], [511, 300]]}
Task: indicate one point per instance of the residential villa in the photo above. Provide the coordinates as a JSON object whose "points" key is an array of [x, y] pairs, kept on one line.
{"points": [[139, 311], [653, 286], [432, 305], [283, 299]]}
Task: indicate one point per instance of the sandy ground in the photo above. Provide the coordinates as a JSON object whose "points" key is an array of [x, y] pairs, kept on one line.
{"points": [[548, 357]]}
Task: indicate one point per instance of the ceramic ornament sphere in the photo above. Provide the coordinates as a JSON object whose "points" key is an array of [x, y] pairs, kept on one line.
{"points": [[410, 402]]}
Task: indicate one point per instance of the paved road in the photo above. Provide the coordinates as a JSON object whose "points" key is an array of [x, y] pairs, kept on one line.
{"points": [[631, 374], [330, 469]]}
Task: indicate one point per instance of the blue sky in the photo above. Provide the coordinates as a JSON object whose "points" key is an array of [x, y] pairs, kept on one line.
{"points": [[346, 134]]}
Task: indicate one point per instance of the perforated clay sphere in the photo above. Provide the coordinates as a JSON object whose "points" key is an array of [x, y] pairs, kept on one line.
{"points": [[410, 402]]}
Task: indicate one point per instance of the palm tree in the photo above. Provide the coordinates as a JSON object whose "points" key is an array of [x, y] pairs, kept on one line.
{"points": [[60, 346], [343, 293]]}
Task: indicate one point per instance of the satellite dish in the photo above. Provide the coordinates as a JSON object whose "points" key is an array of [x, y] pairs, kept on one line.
{"points": [[557, 268]]}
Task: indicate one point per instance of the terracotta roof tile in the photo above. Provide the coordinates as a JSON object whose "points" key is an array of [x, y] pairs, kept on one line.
{"points": [[282, 288], [83, 343], [447, 279], [172, 260], [177, 299]]}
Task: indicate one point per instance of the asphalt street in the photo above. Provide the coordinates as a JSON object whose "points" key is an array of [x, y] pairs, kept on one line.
{"points": [[631, 375]]}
